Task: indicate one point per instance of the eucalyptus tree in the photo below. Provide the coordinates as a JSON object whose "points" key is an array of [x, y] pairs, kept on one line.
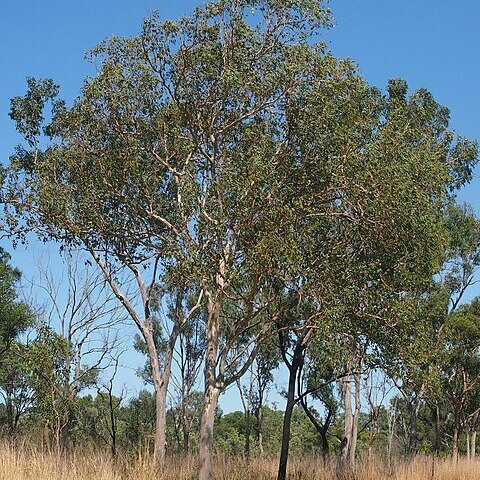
{"points": [[266, 363], [377, 172], [420, 343], [228, 153], [171, 158], [458, 366], [16, 317]]}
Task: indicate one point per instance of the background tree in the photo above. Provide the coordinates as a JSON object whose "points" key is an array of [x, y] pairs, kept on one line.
{"points": [[15, 318]]}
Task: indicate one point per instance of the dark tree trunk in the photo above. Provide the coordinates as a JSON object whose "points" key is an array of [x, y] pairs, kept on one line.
{"points": [[260, 429], [287, 419], [322, 429], [413, 432], [294, 366]]}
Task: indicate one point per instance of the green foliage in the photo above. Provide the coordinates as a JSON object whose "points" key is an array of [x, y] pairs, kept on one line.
{"points": [[16, 316], [250, 164]]}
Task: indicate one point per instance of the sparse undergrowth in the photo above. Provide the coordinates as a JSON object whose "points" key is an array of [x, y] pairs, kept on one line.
{"points": [[26, 463]]}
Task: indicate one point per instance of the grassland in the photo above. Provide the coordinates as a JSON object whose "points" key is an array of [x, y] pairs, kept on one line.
{"points": [[28, 463]]}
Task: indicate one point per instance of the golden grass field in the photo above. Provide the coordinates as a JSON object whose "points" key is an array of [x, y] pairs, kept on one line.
{"points": [[25, 463]]}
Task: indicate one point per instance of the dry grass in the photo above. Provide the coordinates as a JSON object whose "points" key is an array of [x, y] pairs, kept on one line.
{"points": [[26, 463]]}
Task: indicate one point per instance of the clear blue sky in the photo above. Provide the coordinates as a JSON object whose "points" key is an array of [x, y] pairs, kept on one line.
{"points": [[430, 43]]}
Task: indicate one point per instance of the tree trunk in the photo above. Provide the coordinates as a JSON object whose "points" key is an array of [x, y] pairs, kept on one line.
{"points": [[210, 402], [456, 440], [259, 429], [391, 431], [160, 425], [212, 388], [438, 439], [468, 445], [10, 415], [247, 435], [348, 428], [321, 429], [246, 403], [412, 433], [113, 424], [287, 418], [473, 448], [353, 441], [160, 384], [185, 427]]}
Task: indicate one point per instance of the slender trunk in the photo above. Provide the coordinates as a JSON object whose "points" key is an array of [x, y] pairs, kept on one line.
{"points": [[247, 435], [185, 427], [10, 415], [212, 388], [210, 402], [456, 439], [160, 384], [468, 445], [248, 426], [348, 427], [113, 424], [391, 431], [260, 429], [321, 429], [246, 404], [437, 430], [259, 414], [353, 441], [413, 433], [294, 368], [473, 448], [287, 418]]}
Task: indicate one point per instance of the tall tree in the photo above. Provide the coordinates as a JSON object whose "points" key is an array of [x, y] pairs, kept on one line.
{"points": [[369, 241], [197, 153], [171, 157], [459, 368], [15, 318]]}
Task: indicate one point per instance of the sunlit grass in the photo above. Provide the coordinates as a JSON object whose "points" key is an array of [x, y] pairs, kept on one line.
{"points": [[31, 463]]}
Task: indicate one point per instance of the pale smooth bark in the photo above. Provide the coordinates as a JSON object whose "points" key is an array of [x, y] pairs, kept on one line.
{"points": [[473, 448], [160, 376], [356, 416], [347, 427], [210, 402], [212, 387]]}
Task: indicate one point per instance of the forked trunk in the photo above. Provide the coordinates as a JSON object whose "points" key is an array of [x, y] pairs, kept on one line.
{"points": [[287, 420], [294, 368]]}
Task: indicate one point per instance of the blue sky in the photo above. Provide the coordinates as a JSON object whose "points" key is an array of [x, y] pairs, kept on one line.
{"points": [[430, 43]]}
